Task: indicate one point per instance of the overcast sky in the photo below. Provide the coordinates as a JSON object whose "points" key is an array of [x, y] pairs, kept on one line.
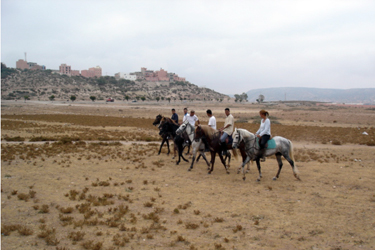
{"points": [[229, 46]]}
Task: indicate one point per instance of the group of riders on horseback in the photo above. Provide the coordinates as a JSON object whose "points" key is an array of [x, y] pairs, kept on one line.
{"points": [[208, 138], [264, 132]]}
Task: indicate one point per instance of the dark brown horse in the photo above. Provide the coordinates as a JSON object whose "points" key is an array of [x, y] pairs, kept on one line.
{"points": [[213, 138], [165, 137], [168, 126]]}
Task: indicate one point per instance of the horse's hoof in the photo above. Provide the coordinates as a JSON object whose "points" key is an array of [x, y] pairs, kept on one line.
{"points": [[244, 178], [228, 172], [274, 178], [209, 173], [189, 169], [258, 180], [177, 163]]}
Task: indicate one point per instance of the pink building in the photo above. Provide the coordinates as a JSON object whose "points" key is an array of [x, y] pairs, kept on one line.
{"points": [[22, 64], [65, 69], [92, 72]]}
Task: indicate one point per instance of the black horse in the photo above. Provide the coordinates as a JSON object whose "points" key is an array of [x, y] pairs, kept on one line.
{"points": [[165, 136], [168, 126]]}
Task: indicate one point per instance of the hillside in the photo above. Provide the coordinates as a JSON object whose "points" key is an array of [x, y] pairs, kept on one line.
{"points": [[40, 85], [314, 94]]}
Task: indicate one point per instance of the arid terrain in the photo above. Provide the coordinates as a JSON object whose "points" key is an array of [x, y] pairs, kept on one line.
{"points": [[87, 175]]}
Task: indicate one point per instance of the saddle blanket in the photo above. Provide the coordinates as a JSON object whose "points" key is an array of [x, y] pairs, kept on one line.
{"points": [[271, 144]]}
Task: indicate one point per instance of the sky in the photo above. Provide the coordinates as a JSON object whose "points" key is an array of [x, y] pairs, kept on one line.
{"points": [[229, 46]]}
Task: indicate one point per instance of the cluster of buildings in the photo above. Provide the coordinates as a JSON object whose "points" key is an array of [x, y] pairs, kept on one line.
{"points": [[91, 72], [63, 69], [22, 64], [150, 76], [143, 75]]}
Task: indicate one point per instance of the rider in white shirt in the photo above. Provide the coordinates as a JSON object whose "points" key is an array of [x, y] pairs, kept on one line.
{"points": [[263, 133], [192, 118], [212, 120]]}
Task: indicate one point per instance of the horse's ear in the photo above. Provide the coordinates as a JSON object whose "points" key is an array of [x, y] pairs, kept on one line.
{"points": [[235, 130]]}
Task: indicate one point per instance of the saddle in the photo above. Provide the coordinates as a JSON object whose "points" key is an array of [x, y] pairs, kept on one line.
{"points": [[228, 140], [270, 143]]}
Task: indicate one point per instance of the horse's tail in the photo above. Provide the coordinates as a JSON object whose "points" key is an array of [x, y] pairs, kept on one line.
{"points": [[235, 154], [291, 155]]}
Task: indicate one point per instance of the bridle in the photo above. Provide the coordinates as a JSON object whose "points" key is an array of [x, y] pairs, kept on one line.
{"points": [[181, 130], [253, 145]]}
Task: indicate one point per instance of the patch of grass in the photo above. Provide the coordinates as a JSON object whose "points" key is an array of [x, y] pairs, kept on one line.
{"points": [[16, 138]]}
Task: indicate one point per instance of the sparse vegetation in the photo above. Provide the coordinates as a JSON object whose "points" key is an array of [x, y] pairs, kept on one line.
{"points": [[62, 190]]}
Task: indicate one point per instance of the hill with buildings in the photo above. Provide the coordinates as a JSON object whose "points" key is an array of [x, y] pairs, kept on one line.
{"points": [[43, 84], [366, 96]]}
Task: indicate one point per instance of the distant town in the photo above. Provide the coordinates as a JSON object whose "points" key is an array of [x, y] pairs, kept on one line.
{"points": [[143, 75]]}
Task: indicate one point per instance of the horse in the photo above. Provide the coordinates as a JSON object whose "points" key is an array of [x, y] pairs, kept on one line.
{"points": [[213, 139], [196, 145], [284, 147], [169, 126], [164, 136]]}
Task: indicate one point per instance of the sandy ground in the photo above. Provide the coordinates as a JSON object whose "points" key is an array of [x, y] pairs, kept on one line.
{"points": [[119, 194]]}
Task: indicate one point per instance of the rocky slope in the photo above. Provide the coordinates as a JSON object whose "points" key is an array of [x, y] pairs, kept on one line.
{"points": [[41, 85]]}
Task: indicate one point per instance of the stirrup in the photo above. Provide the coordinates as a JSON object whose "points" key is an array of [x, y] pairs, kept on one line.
{"points": [[263, 159]]}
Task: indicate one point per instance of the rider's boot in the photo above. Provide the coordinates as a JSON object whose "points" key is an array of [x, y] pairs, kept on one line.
{"points": [[224, 148], [262, 155]]}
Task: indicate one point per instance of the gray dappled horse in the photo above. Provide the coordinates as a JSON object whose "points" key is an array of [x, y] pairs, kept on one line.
{"points": [[197, 145], [284, 147]]}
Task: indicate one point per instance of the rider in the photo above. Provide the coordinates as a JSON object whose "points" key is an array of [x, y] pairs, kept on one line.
{"points": [[192, 118], [174, 116], [264, 133], [227, 130], [212, 124], [185, 114], [212, 121]]}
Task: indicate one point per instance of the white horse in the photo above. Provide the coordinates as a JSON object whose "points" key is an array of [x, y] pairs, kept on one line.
{"points": [[198, 146], [284, 147]]}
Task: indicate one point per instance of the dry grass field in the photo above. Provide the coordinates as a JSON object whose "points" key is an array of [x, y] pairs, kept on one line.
{"points": [[87, 176]]}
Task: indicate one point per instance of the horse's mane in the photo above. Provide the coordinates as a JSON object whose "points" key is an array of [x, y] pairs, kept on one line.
{"points": [[208, 131], [245, 133], [166, 119]]}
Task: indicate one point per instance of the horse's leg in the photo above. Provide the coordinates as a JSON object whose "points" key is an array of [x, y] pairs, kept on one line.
{"points": [[258, 166], [229, 156], [179, 155], [192, 163], [168, 147], [204, 157], [195, 147], [223, 161], [246, 161], [199, 156], [291, 162], [280, 162], [248, 167], [161, 145], [213, 154]]}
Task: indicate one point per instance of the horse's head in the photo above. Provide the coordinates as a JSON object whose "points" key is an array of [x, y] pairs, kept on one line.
{"points": [[182, 128], [162, 121], [157, 120], [199, 133], [236, 138]]}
